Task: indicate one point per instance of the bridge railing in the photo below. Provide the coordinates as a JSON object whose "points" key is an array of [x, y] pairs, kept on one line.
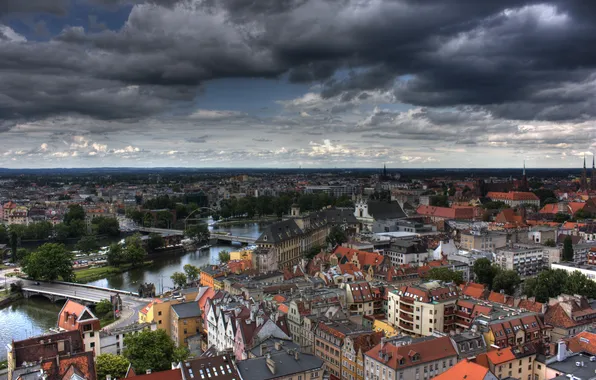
{"points": [[48, 292], [97, 288]]}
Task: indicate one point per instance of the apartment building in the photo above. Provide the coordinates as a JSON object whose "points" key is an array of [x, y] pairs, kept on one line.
{"points": [[526, 259], [353, 354], [329, 341], [569, 315], [509, 327], [402, 252], [515, 198], [75, 316], [360, 298], [420, 360], [511, 362], [482, 240], [422, 309], [185, 321]]}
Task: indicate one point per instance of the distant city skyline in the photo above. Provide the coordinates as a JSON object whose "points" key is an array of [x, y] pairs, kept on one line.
{"points": [[284, 84]]}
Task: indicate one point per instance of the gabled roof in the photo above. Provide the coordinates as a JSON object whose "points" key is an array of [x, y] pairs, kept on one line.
{"points": [[384, 210], [583, 342], [425, 351], [464, 370], [172, 374]]}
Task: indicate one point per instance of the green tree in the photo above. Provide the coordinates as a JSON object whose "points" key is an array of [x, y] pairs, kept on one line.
{"points": [[550, 243], [337, 236], [439, 201], [75, 212], [4, 239], [155, 241], [49, 262], [224, 256], [61, 232], [192, 272], [22, 253], [14, 245], [103, 308], [445, 274], [110, 364], [506, 280], [198, 232], [179, 279], [312, 252], [485, 271], [87, 244], [115, 255], [77, 228], [134, 253], [152, 350], [106, 226], [567, 254], [560, 217]]}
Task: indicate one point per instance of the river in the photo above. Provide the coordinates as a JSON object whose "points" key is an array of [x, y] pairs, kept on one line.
{"points": [[30, 317]]}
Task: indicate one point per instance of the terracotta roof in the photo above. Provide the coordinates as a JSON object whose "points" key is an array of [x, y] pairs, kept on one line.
{"points": [[551, 208], [500, 356], [472, 289], [146, 309], [464, 370], [558, 317], [530, 305], [512, 196], [428, 351], [576, 206], [83, 363], [583, 342], [446, 212]]}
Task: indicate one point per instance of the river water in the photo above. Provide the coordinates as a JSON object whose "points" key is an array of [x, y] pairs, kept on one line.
{"points": [[26, 318]]}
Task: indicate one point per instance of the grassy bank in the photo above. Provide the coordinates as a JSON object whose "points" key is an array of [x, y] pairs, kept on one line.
{"points": [[92, 274], [6, 298]]}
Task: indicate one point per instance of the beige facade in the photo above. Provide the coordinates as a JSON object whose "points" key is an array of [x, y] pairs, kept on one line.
{"points": [[418, 315], [483, 241]]}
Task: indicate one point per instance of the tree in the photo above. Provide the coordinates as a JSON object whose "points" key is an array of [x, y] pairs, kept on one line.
{"points": [[313, 251], [192, 272], [561, 217], [550, 243], [484, 271], [106, 226], [506, 280], [439, 201], [179, 279], [553, 282], [14, 244], [103, 308], [75, 212], [337, 236], [49, 262], [110, 364], [446, 275], [198, 232], [567, 249], [115, 255], [152, 350], [61, 232], [87, 244], [134, 253], [155, 241], [224, 256], [4, 239]]}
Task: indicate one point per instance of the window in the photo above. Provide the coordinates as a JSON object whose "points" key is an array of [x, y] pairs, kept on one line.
{"points": [[92, 334], [159, 313], [92, 344]]}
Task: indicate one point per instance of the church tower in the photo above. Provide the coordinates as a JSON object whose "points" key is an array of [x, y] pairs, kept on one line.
{"points": [[583, 184], [593, 178], [524, 181]]}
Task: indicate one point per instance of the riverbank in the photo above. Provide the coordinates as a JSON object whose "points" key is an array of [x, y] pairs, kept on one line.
{"points": [[84, 276], [6, 298], [237, 222]]}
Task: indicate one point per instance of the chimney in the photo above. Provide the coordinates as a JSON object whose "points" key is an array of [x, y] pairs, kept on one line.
{"points": [[270, 364], [264, 348], [561, 351], [278, 346], [148, 372], [297, 355]]}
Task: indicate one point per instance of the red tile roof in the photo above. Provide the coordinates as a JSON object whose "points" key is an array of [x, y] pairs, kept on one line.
{"points": [[472, 289], [583, 342], [512, 196], [428, 351], [446, 212], [172, 374], [500, 356], [464, 370]]}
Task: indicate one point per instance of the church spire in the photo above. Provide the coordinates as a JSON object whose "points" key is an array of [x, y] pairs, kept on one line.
{"points": [[584, 160], [524, 172]]}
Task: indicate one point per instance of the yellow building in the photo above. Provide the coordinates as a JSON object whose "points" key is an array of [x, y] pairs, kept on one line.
{"points": [[385, 327], [185, 322], [245, 254], [158, 312]]}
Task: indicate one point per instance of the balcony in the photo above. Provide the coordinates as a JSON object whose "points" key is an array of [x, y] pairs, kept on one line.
{"points": [[406, 308], [404, 326], [406, 300], [449, 311], [406, 317]]}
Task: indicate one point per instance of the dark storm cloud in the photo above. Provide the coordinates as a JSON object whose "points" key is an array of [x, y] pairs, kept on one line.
{"points": [[516, 59], [57, 7]]}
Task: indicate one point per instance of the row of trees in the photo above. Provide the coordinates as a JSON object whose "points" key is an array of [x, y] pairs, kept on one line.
{"points": [[144, 350], [190, 274], [552, 282], [132, 252]]}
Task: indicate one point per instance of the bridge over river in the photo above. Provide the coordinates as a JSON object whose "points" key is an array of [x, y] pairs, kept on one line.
{"points": [[58, 290], [218, 236]]}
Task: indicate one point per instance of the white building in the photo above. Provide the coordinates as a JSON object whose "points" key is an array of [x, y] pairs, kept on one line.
{"points": [[585, 269]]}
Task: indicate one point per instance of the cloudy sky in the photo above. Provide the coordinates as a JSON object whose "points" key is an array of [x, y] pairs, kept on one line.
{"points": [[284, 83]]}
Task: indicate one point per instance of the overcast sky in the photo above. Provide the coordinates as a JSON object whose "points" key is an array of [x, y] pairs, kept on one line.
{"points": [[284, 83]]}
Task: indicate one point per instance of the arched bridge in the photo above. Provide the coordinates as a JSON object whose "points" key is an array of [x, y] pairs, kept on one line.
{"points": [[221, 236], [56, 291]]}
